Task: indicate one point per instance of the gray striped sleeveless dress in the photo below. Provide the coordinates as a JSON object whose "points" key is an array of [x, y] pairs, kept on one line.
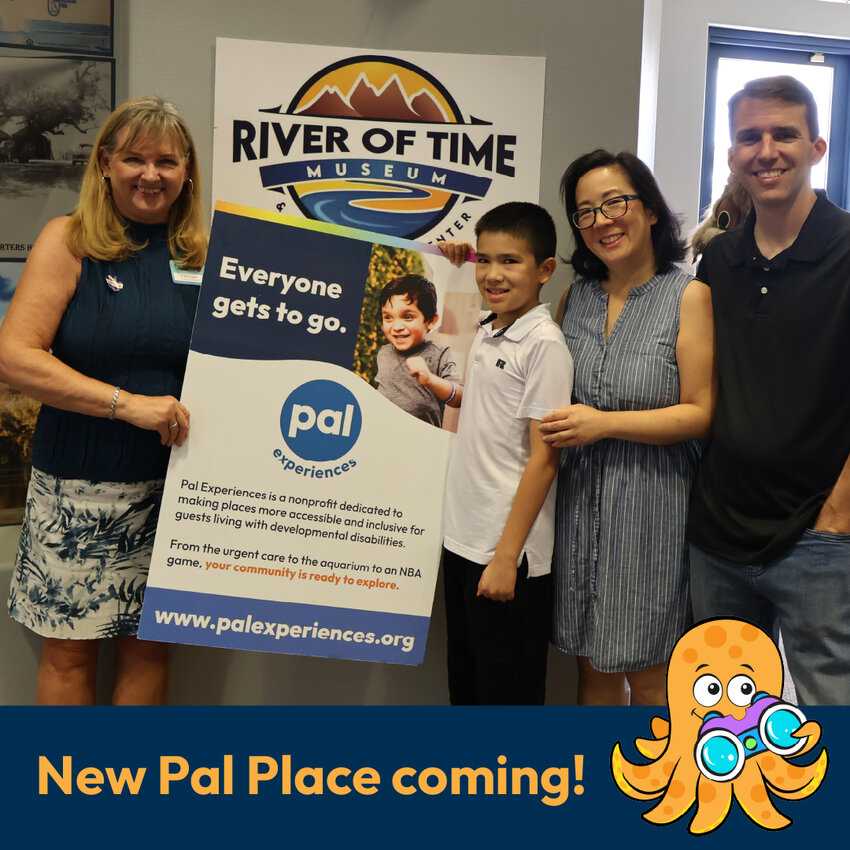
{"points": [[620, 563]]}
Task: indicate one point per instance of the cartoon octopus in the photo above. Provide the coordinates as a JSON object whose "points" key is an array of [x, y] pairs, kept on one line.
{"points": [[721, 680]]}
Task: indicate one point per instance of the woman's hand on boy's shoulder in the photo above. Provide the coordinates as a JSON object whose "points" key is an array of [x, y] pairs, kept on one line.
{"points": [[575, 425], [456, 253]]}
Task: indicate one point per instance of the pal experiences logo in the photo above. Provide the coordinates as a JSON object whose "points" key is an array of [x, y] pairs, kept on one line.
{"points": [[376, 143], [320, 422]]}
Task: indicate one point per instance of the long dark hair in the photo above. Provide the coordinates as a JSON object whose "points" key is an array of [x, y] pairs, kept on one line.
{"points": [[667, 243]]}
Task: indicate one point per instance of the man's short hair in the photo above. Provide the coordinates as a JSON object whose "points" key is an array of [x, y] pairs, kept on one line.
{"points": [[522, 220], [781, 87], [417, 289]]}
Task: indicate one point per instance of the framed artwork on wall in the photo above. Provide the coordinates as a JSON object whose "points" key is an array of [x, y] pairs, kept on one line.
{"points": [[50, 112], [61, 26]]}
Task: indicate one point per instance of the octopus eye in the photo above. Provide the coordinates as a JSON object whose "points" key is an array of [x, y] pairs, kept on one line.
{"points": [[741, 690], [708, 690]]}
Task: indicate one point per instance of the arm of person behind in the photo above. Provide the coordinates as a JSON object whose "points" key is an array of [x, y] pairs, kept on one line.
{"points": [[498, 580], [457, 253], [47, 285], [690, 419], [834, 516]]}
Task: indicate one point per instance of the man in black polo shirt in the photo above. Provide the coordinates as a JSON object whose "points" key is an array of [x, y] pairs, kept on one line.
{"points": [[770, 513]]}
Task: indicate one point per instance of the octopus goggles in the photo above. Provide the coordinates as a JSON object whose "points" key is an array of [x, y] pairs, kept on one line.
{"points": [[724, 743]]}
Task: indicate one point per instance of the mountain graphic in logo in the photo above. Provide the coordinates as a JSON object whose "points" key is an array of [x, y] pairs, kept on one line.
{"points": [[386, 154], [377, 88], [364, 100]]}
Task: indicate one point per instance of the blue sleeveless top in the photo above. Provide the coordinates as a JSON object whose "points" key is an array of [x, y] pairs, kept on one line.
{"points": [[135, 337]]}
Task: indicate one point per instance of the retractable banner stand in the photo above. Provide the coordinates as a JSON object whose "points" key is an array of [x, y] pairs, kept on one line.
{"points": [[303, 514]]}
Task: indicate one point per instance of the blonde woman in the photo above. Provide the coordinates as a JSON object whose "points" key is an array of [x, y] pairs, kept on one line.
{"points": [[98, 331]]}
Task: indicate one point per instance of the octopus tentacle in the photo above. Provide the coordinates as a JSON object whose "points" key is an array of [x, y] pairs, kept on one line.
{"points": [[635, 780], [751, 793], [811, 730], [651, 748], [714, 800], [659, 727], [793, 781], [679, 795]]}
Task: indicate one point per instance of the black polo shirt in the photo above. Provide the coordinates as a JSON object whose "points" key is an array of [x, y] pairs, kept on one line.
{"points": [[781, 433]]}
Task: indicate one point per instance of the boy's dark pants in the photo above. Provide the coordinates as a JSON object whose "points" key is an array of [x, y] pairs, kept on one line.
{"points": [[496, 650]]}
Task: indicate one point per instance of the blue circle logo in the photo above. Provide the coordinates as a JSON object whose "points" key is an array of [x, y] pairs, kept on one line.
{"points": [[320, 420]]}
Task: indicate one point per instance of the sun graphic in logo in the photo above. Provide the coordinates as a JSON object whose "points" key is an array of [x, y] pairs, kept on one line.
{"points": [[378, 165]]}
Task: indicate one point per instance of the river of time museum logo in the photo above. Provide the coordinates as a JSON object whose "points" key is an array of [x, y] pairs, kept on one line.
{"points": [[375, 143]]}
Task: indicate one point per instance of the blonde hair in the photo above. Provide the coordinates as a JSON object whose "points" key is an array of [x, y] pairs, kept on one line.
{"points": [[97, 229], [728, 213]]}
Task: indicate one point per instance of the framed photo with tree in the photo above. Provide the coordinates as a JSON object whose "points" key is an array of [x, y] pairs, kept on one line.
{"points": [[50, 112]]}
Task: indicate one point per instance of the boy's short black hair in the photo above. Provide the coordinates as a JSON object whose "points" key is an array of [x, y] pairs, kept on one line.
{"points": [[417, 289], [523, 220]]}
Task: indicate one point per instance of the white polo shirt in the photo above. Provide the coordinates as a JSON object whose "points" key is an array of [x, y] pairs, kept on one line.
{"points": [[515, 374]]}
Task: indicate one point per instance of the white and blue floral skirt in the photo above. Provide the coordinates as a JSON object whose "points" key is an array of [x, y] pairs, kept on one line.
{"points": [[83, 557]]}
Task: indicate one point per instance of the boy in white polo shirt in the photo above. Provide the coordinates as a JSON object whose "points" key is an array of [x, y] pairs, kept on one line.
{"points": [[499, 509]]}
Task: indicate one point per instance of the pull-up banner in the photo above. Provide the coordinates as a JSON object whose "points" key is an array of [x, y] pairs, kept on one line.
{"points": [[303, 514]]}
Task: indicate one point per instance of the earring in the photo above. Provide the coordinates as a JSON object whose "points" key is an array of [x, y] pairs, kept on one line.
{"points": [[191, 183], [107, 185]]}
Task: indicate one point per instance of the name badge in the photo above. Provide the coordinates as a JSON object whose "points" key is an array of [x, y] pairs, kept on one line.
{"points": [[190, 276]]}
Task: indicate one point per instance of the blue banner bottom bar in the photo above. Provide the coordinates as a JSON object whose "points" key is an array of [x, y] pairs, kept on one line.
{"points": [[380, 777], [181, 616]]}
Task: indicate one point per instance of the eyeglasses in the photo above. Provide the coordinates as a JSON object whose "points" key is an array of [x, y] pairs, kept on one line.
{"points": [[612, 208]]}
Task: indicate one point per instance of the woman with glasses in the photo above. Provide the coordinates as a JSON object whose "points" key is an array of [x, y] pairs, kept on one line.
{"points": [[641, 333]]}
